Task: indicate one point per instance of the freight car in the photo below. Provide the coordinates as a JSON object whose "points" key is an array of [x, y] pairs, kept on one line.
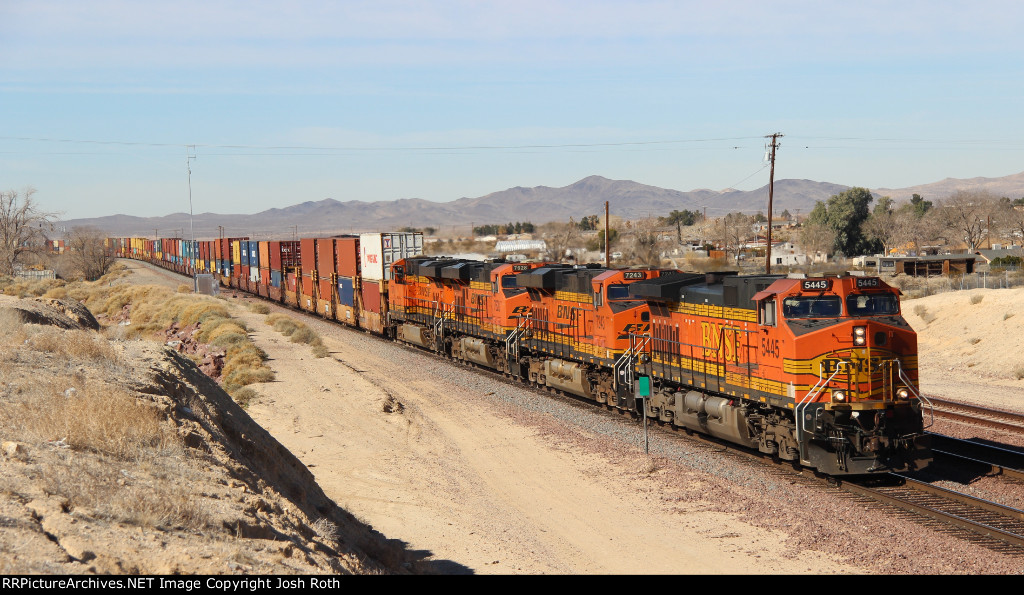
{"points": [[818, 371]]}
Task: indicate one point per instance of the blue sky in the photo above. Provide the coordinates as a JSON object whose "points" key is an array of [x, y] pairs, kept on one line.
{"points": [[293, 101]]}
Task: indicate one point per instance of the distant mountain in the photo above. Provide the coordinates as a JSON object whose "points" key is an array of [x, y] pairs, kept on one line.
{"points": [[540, 204], [1011, 186]]}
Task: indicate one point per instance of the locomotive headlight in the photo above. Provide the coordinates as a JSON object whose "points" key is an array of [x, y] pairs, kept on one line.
{"points": [[838, 395], [860, 335], [903, 393]]}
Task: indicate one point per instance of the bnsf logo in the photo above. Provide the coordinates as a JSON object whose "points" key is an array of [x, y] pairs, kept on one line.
{"points": [[520, 310], [634, 275]]}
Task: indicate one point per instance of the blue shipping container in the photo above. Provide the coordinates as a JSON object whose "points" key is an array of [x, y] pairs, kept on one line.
{"points": [[254, 254], [346, 295], [275, 278]]}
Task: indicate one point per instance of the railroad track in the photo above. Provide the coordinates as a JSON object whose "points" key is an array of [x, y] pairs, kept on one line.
{"points": [[991, 525], [973, 414], [986, 459]]}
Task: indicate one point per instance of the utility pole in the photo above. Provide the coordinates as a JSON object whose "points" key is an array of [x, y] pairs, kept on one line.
{"points": [[771, 191], [191, 227], [607, 257]]}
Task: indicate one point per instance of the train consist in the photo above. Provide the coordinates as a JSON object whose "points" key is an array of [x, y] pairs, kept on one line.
{"points": [[818, 371]]}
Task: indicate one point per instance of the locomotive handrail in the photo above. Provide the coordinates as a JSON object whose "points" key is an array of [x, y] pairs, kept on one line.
{"points": [[624, 365], [920, 397], [801, 407]]}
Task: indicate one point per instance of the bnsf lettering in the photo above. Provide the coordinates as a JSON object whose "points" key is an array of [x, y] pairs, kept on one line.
{"points": [[720, 341], [565, 312]]}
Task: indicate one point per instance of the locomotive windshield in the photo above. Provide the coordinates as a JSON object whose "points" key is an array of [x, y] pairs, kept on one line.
{"points": [[509, 282], [879, 304], [828, 306], [618, 292]]}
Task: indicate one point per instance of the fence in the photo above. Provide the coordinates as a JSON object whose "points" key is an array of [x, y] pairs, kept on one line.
{"points": [[35, 275]]}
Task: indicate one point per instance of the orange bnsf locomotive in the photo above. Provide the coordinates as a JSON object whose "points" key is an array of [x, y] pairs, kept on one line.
{"points": [[818, 371]]}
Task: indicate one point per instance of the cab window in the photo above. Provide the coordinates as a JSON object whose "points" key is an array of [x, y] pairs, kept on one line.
{"points": [[879, 304], [618, 292], [508, 282], [826, 306], [768, 313]]}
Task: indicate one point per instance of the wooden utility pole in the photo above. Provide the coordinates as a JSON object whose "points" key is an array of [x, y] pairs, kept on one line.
{"points": [[771, 192], [607, 258]]}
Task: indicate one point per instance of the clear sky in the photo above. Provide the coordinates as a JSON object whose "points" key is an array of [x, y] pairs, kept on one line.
{"points": [[292, 101]]}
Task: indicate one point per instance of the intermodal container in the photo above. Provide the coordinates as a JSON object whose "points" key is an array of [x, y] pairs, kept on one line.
{"points": [[347, 251], [377, 252], [346, 291]]}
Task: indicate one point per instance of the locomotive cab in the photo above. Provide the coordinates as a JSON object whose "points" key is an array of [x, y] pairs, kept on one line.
{"points": [[853, 361]]}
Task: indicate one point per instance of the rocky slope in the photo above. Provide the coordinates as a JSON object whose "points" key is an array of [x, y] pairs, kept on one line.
{"points": [[122, 457]]}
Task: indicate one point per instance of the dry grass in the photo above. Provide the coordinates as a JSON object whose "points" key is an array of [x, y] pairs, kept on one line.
{"points": [[88, 416], [259, 308], [70, 344], [298, 333], [151, 495]]}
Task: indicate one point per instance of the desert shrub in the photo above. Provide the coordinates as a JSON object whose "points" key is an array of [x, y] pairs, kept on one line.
{"points": [[920, 310], [975, 340], [259, 308], [320, 351], [185, 288], [1019, 372], [1008, 316], [976, 298], [245, 397], [304, 334]]}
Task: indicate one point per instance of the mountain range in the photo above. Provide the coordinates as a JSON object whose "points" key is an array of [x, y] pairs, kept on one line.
{"points": [[539, 204]]}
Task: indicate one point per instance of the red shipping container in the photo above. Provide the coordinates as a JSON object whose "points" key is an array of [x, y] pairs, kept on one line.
{"points": [[307, 286], [245, 272], [265, 276], [371, 296], [347, 250], [291, 282], [307, 251], [290, 255], [326, 289], [236, 271], [325, 257], [275, 256]]}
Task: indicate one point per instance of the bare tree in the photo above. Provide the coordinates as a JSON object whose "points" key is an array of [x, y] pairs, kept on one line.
{"points": [[817, 238], [560, 238], [88, 253], [733, 230], [968, 216], [646, 245], [23, 227]]}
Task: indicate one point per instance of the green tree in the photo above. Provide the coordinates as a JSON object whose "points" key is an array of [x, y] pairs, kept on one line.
{"points": [[845, 213], [680, 219]]}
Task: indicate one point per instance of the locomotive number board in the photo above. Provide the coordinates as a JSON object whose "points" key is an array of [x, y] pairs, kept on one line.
{"points": [[816, 285], [863, 282]]}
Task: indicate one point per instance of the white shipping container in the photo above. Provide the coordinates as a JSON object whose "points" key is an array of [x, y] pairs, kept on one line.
{"points": [[378, 251]]}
